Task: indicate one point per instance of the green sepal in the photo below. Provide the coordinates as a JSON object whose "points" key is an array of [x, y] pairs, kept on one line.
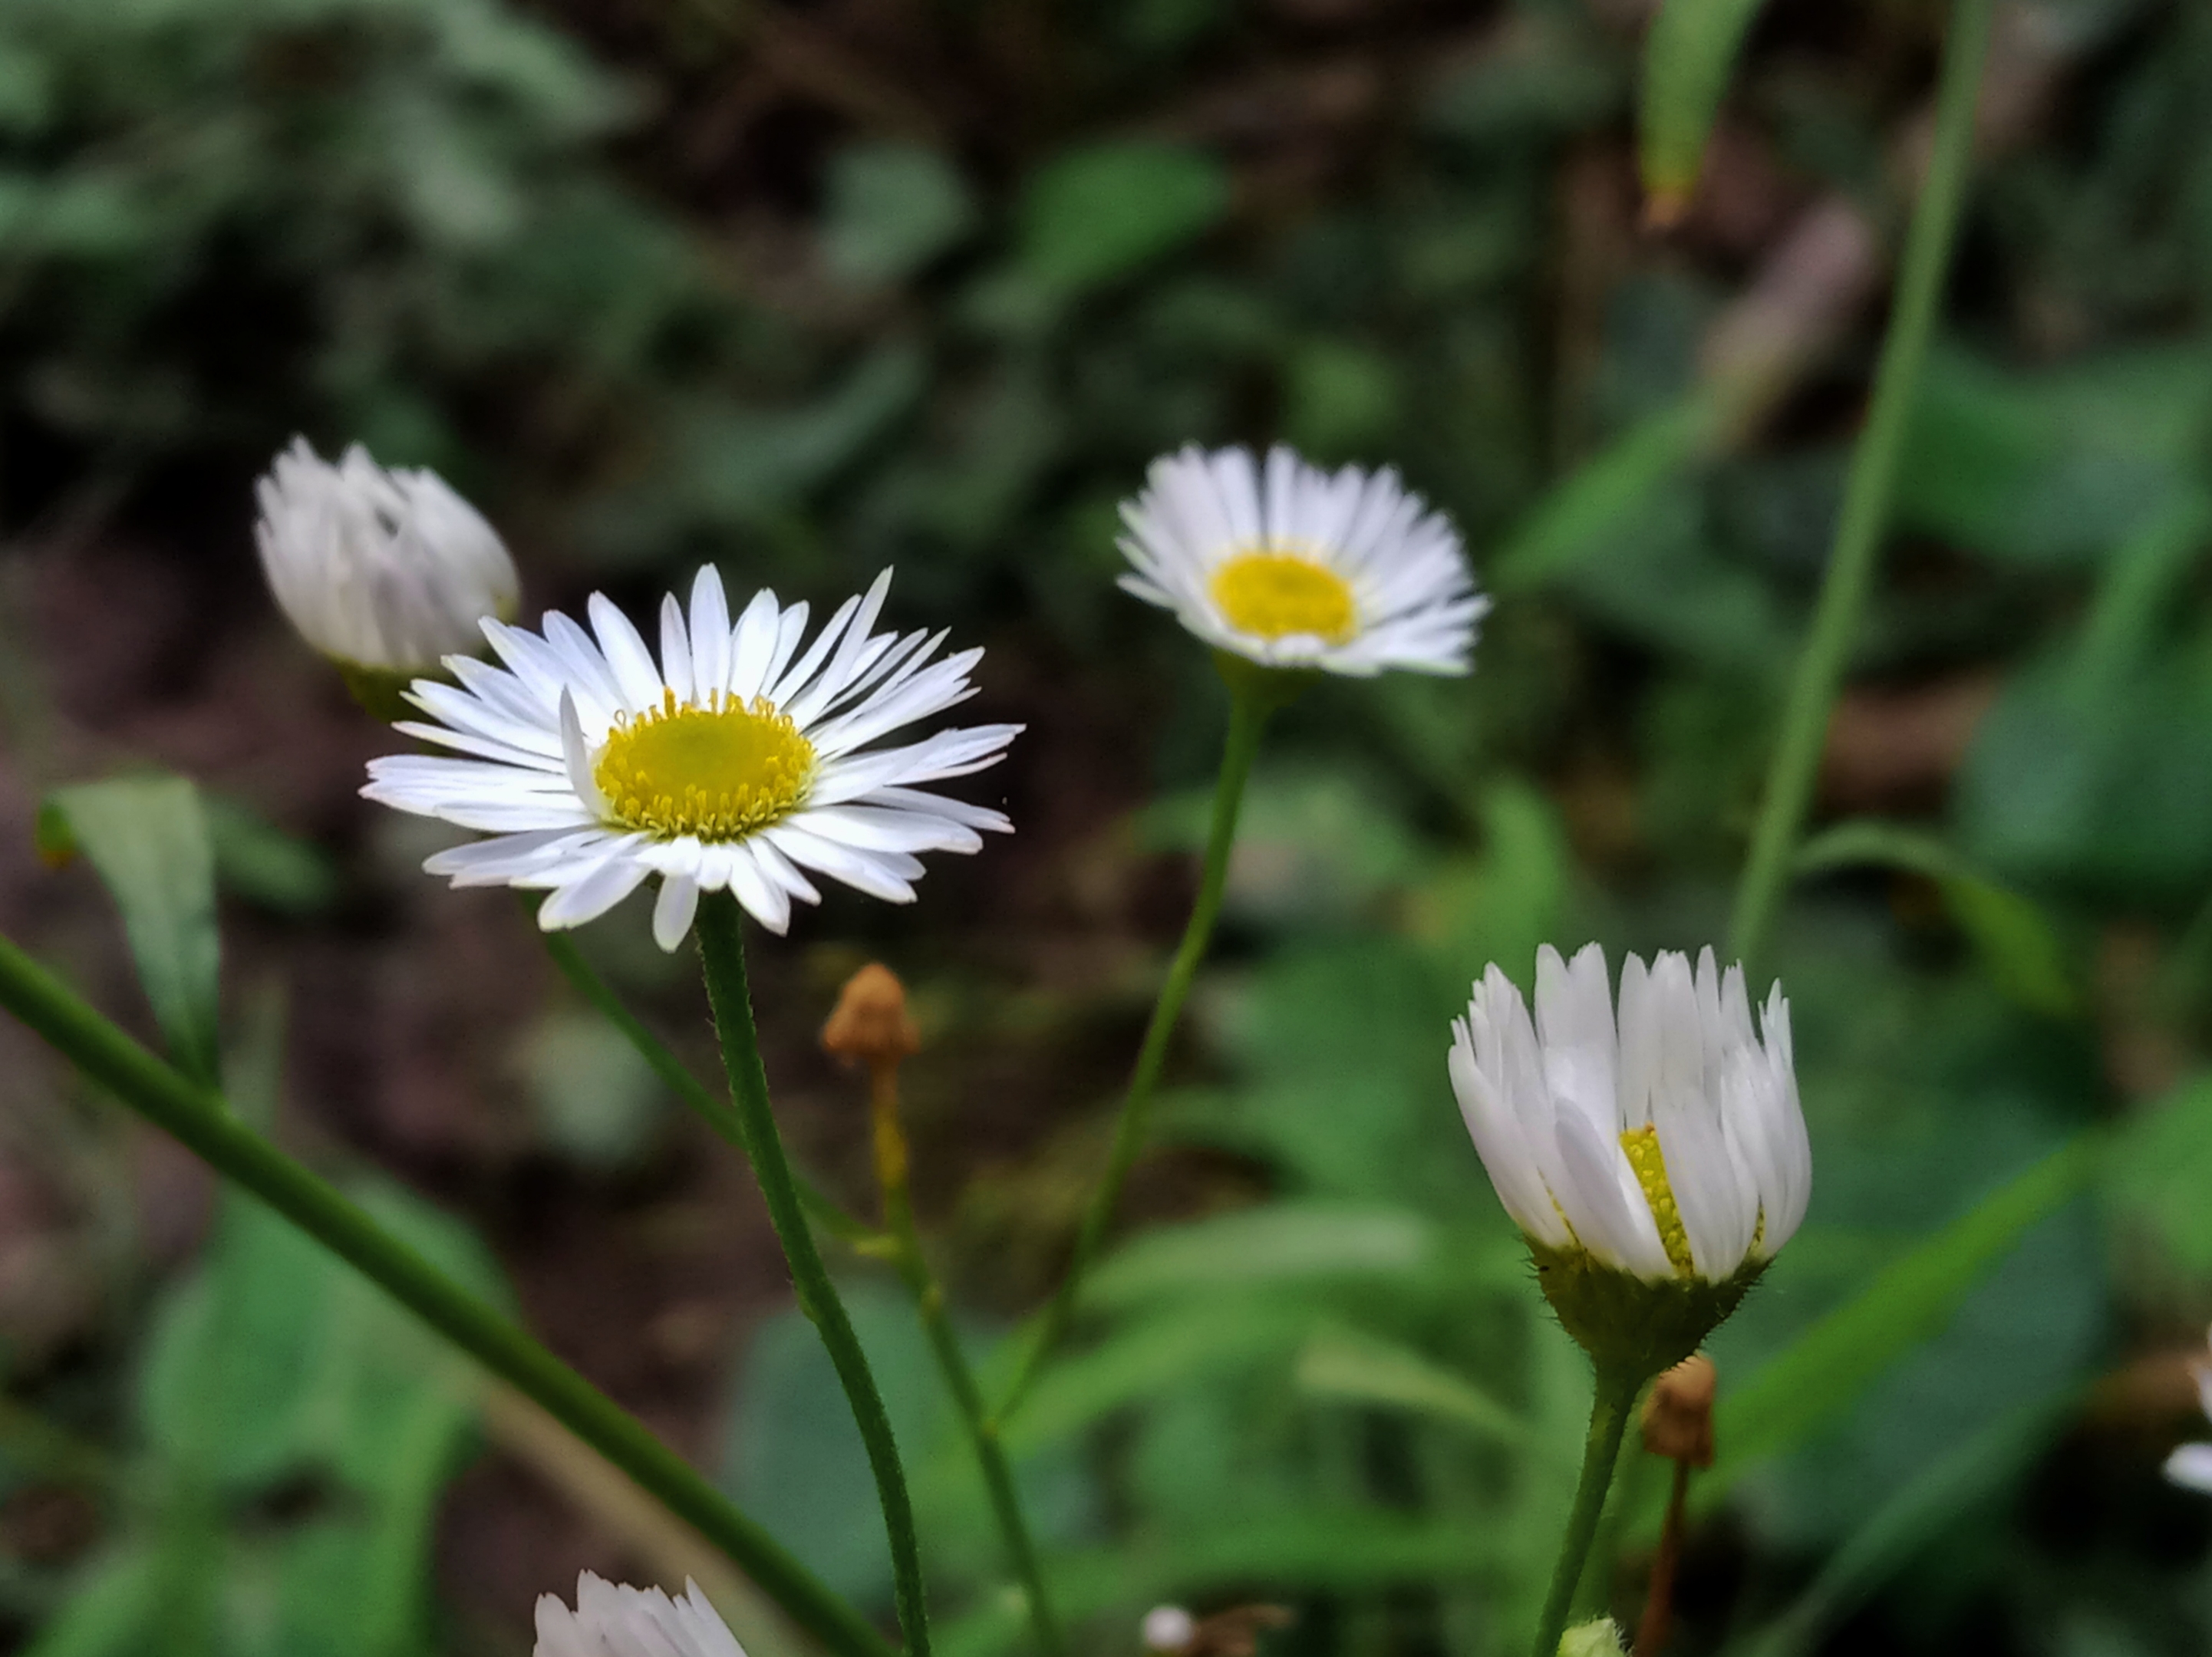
{"points": [[1599, 1639], [1628, 1326], [1267, 687], [382, 691]]}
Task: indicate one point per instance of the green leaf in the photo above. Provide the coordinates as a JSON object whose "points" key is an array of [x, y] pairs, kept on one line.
{"points": [[1605, 498], [2013, 939], [148, 839], [893, 208], [264, 864], [2160, 1169], [1099, 213], [1687, 58], [114, 1610], [1280, 1243], [1913, 1521], [1354, 1367], [1820, 1375]]}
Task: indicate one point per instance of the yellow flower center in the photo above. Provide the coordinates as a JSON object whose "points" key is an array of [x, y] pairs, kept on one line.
{"points": [[1275, 594], [719, 771], [1642, 1144]]}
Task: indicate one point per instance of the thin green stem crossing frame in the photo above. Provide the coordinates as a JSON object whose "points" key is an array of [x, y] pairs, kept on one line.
{"points": [[203, 1122], [720, 926], [1867, 492], [1253, 694]]}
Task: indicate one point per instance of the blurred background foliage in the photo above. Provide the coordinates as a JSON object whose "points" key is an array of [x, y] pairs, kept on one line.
{"points": [[807, 288]]}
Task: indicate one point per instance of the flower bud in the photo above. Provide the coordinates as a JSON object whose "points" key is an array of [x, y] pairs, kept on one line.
{"points": [[1678, 1416], [870, 1022], [385, 572], [1597, 1639]]}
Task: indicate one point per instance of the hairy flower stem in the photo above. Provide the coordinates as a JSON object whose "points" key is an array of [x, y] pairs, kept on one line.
{"points": [[722, 954], [1611, 1405], [203, 1120], [1820, 670], [944, 1342], [710, 1107], [1253, 696]]}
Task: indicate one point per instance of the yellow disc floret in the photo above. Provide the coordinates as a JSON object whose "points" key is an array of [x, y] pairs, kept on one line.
{"points": [[719, 771], [1276, 595], [1642, 1144]]}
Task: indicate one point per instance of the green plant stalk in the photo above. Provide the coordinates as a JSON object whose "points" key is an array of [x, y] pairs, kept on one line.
{"points": [[714, 1110], [1251, 699], [1867, 492], [960, 1378], [203, 1122], [1611, 1404], [722, 954]]}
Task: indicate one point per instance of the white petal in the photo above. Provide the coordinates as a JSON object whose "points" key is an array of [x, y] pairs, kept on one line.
{"points": [[674, 909]]}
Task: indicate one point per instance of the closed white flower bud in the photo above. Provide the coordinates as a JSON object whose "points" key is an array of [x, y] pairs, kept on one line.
{"points": [[1656, 1162], [386, 572], [1598, 1639], [612, 1621]]}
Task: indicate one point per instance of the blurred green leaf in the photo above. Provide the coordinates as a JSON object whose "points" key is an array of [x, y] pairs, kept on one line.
{"points": [[893, 208], [1688, 54], [795, 1460], [2014, 940], [1351, 1367], [2161, 1167], [1820, 1374], [1604, 498], [2055, 467], [264, 864], [1099, 213], [1913, 1522], [1256, 1247], [148, 840]]}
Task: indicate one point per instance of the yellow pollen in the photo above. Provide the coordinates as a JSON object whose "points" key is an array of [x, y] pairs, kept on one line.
{"points": [[719, 771], [1642, 1144], [1275, 594]]}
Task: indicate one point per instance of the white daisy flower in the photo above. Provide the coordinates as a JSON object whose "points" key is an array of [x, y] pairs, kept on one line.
{"points": [[1295, 567], [735, 763], [388, 571], [2190, 1466], [1671, 1147], [619, 1621]]}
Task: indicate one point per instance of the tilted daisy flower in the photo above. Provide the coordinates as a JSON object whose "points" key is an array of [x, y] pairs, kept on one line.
{"points": [[737, 761], [2190, 1466], [619, 1621], [1293, 567], [386, 572], [1663, 1150]]}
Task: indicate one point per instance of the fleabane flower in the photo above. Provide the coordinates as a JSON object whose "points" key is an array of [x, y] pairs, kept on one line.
{"points": [[619, 1621], [1655, 1162], [2190, 1466], [383, 572], [735, 762], [1296, 568]]}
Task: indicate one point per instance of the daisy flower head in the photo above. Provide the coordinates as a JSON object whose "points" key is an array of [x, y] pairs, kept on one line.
{"points": [[2190, 1466], [735, 761], [1296, 568], [1662, 1151], [619, 1621], [385, 571]]}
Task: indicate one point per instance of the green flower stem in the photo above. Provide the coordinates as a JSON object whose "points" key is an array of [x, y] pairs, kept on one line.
{"points": [[204, 1121], [1865, 512], [929, 1300], [1253, 694], [1611, 1405], [722, 954], [712, 1108]]}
